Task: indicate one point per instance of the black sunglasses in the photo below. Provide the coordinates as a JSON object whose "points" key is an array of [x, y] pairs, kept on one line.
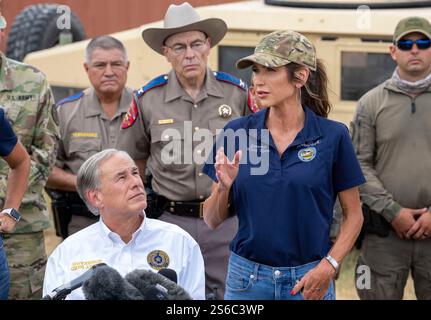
{"points": [[406, 45]]}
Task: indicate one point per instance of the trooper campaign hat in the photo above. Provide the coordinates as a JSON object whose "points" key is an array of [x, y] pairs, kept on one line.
{"points": [[182, 18]]}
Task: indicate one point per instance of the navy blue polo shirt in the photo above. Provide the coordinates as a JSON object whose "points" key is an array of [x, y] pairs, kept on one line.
{"points": [[8, 138], [285, 204]]}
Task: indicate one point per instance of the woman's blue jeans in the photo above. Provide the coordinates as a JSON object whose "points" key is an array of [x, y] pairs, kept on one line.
{"points": [[248, 280], [4, 274]]}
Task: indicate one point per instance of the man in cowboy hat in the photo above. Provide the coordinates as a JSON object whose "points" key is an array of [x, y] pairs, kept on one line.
{"points": [[190, 100]]}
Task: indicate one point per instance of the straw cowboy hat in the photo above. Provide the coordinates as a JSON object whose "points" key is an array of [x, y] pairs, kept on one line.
{"points": [[182, 18]]}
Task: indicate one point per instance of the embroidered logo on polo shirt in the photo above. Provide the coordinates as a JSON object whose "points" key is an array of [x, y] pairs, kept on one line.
{"points": [[307, 154], [158, 259], [306, 145]]}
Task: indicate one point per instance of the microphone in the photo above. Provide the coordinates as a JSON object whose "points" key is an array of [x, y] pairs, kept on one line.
{"points": [[156, 292], [159, 292], [156, 286], [106, 283], [169, 273], [61, 292]]}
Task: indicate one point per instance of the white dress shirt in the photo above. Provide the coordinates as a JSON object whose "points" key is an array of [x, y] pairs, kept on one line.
{"points": [[174, 248]]}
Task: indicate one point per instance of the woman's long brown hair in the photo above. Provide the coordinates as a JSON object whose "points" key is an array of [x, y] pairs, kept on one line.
{"points": [[314, 94]]}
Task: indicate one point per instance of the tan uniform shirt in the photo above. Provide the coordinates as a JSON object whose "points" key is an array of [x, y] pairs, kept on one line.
{"points": [[168, 106], [85, 129]]}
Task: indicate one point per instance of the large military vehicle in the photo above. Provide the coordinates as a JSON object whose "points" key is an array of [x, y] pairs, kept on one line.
{"points": [[351, 38]]}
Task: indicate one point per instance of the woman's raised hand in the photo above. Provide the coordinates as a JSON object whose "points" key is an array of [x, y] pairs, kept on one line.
{"points": [[226, 170]]}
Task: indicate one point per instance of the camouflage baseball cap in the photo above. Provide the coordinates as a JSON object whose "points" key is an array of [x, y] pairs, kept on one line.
{"points": [[280, 48], [412, 24]]}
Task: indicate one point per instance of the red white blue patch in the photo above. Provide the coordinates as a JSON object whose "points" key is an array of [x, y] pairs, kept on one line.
{"points": [[251, 102], [131, 115]]}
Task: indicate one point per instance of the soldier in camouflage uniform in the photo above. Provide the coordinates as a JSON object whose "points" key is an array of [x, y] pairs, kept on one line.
{"points": [[17, 158], [28, 103]]}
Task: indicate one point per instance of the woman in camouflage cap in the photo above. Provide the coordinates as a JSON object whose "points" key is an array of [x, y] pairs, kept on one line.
{"points": [[282, 249]]}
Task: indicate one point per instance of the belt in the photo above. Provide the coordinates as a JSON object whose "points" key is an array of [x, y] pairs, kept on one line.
{"points": [[181, 208]]}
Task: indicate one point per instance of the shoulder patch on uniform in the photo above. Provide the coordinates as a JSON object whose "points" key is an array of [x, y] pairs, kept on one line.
{"points": [[226, 77], [156, 82], [131, 115], [251, 102], [71, 98]]}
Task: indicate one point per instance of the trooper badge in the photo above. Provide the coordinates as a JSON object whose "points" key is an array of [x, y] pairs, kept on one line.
{"points": [[158, 259], [225, 111]]}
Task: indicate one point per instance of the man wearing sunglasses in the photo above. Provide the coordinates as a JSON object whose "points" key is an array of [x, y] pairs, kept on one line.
{"points": [[391, 134]]}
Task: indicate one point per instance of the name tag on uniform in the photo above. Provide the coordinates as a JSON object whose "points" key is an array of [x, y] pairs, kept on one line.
{"points": [[84, 265], [85, 134], [166, 121]]}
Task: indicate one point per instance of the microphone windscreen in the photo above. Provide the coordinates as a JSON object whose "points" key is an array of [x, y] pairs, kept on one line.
{"points": [[107, 284], [170, 274], [154, 293], [145, 280]]}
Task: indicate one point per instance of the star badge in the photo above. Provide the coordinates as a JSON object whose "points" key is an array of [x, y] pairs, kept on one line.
{"points": [[225, 111]]}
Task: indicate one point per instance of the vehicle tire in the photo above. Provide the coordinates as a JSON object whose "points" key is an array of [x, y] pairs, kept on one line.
{"points": [[35, 28]]}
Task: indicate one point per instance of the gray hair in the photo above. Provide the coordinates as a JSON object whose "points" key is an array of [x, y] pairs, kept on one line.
{"points": [[105, 43], [88, 177]]}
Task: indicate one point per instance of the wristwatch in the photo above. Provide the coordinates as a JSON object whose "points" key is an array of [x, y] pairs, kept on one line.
{"points": [[14, 214], [333, 262]]}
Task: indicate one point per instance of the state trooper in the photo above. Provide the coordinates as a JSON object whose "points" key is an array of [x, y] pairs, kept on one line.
{"points": [[28, 103], [89, 122], [206, 100]]}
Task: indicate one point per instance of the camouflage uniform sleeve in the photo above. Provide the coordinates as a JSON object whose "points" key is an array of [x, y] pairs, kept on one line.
{"points": [[373, 193], [43, 149]]}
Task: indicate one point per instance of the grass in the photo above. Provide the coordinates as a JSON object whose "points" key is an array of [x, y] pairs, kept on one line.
{"points": [[345, 285]]}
